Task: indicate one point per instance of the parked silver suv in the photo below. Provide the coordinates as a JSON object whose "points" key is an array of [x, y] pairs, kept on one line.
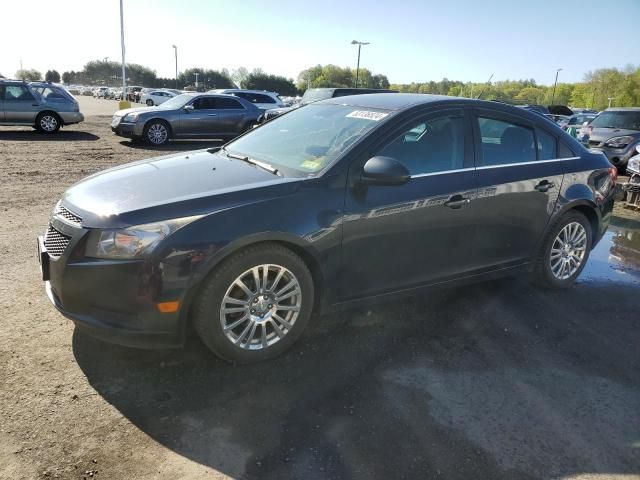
{"points": [[42, 105]]}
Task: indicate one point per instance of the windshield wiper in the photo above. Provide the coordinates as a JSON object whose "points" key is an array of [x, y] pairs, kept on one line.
{"points": [[252, 161]]}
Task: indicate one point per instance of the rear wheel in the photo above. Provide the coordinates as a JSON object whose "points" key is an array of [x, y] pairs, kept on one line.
{"points": [[150, 102], [255, 305], [156, 132], [564, 252], [48, 122]]}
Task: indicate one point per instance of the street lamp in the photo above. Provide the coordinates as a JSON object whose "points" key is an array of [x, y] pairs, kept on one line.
{"points": [[553, 97], [176, 52], [356, 42]]}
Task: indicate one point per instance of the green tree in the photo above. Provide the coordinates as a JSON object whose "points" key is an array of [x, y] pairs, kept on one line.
{"points": [[207, 79], [52, 76], [29, 75], [272, 83]]}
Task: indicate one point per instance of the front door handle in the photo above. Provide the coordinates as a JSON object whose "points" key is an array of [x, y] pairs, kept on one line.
{"points": [[545, 186], [457, 201], [212, 114]]}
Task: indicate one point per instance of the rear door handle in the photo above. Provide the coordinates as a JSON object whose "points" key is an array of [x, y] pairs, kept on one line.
{"points": [[212, 114], [545, 186], [457, 201]]}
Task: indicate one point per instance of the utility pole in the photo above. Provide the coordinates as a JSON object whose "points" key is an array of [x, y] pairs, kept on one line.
{"points": [[553, 97], [610, 98], [196, 81], [356, 42]]}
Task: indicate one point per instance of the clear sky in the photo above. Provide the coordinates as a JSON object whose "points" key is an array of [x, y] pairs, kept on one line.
{"points": [[411, 40]]}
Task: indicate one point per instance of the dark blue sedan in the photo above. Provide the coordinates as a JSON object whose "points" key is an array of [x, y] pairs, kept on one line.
{"points": [[342, 201]]}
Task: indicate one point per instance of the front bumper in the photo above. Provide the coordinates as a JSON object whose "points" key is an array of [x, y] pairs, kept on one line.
{"points": [[127, 130], [69, 118], [115, 301], [619, 157]]}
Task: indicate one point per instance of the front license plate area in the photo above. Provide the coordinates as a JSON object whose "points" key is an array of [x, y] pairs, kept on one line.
{"points": [[43, 258]]}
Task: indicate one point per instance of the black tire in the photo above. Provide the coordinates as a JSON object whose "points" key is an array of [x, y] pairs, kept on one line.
{"points": [[48, 122], [151, 127], [543, 274], [149, 103], [207, 315]]}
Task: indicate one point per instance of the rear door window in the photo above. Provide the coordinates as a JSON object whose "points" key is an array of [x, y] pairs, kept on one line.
{"points": [[228, 104], [547, 149], [503, 142]]}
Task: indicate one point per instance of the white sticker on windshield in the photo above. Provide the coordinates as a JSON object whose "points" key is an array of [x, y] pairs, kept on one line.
{"points": [[367, 115]]}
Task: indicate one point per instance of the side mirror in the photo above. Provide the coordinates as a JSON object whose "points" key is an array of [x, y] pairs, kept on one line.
{"points": [[188, 108], [384, 171], [584, 124]]}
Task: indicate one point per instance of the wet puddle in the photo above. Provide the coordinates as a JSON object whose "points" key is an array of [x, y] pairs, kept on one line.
{"points": [[616, 258]]}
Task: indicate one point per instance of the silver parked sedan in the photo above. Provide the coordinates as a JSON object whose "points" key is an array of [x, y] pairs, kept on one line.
{"points": [[190, 115]]}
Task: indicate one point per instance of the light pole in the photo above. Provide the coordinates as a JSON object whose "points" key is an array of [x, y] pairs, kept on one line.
{"points": [[610, 98], [124, 97], [176, 52], [553, 97], [356, 42]]}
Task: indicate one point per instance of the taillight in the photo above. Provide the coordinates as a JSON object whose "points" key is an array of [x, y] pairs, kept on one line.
{"points": [[613, 174]]}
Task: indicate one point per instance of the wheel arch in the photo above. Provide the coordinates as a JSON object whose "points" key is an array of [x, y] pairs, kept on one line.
{"points": [[308, 255], [51, 112], [588, 208], [158, 119]]}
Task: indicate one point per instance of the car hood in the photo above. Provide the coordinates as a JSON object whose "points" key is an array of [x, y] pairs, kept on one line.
{"points": [[169, 187], [603, 134], [122, 113]]}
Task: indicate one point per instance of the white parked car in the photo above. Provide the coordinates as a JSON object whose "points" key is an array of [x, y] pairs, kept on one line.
{"points": [[260, 98], [156, 97], [101, 92]]}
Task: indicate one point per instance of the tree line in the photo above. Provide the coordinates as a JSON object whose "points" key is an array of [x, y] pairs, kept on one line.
{"points": [[622, 86], [598, 86]]}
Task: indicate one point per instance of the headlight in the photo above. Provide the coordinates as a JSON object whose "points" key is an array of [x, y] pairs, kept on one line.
{"points": [[130, 117], [132, 242], [634, 165], [619, 142]]}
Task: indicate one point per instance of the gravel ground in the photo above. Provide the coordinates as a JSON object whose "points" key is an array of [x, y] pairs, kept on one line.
{"points": [[492, 381]]}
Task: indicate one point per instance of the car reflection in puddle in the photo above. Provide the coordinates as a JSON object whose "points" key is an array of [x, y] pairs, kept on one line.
{"points": [[616, 258]]}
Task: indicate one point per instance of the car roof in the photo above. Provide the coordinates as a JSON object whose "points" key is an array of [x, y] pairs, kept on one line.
{"points": [[404, 101], [623, 109]]}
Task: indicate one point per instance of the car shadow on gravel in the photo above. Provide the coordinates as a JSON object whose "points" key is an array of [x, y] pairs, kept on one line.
{"points": [[35, 136], [497, 380], [173, 146]]}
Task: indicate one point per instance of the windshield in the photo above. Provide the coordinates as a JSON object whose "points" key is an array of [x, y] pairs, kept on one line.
{"points": [[308, 139], [178, 101], [624, 120]]}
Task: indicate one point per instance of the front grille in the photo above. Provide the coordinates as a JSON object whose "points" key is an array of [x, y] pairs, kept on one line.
{"points": [[55, 242], [70, 216]]}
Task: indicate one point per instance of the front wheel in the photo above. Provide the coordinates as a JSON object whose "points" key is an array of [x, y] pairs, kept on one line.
{"points": [[564, 252], [156, 132], [150, 103], [255, 305]]}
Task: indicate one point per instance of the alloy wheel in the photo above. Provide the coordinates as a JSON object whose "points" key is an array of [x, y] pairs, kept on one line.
{"points": [[48, 123], [261, 307], [157, 133], [568, 251]]}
